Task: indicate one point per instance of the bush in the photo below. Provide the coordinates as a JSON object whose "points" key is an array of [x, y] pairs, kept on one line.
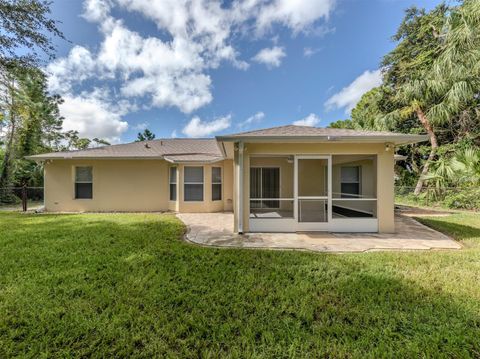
{"points": [[455, 198], [463, 199]]}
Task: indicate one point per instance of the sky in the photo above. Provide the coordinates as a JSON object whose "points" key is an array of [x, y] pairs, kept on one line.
{"points": [[201, 68]]}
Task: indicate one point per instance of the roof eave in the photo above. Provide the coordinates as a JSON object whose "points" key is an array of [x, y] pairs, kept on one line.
{"points": [[46, 158], [193, 161]]}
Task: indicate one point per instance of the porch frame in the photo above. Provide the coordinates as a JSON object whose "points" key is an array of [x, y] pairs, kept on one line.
{"points": [[293, 224]]}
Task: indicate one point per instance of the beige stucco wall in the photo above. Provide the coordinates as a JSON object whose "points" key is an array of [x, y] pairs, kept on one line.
{"points": [[384, 180], [130, 185], [118, 185], [207, 205], [311, 179]]}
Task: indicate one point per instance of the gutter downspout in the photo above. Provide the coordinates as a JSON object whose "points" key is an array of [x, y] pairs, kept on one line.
{"points": [[240, 187]]}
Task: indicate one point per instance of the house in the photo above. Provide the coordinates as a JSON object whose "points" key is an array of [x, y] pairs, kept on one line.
{"points": [[281, 179]]}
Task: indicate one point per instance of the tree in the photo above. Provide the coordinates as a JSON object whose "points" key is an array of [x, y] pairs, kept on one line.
{"points": [[342, 124], [461, 169], [25, 27], [31, 118], [430, 84], [100, 142], [434, 70], [25, 30], [9, 109], [146, 135], [408, 65]]}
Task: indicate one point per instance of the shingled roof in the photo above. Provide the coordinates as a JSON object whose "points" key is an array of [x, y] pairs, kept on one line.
{"points": [[173, 150], [207, 150], [293, 132]]}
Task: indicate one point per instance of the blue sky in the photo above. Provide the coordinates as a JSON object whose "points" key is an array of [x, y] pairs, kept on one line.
{"points": [[203, 68]]}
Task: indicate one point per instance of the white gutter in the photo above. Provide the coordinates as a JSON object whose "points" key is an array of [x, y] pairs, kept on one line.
{"points": [[240, 187], [40, 158]]}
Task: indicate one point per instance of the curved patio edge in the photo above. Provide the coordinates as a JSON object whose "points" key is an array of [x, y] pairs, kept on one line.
{"points": [[215, 230]]}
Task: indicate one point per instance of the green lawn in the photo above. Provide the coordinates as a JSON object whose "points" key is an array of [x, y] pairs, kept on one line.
{"points": [[122, 285]]}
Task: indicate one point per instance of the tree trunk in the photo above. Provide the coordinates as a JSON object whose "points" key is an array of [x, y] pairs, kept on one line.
{"points": [[6, 170], [433, 141]]}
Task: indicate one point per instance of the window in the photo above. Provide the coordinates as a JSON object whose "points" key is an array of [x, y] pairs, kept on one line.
{"points": [[83, 183], [265, 183], [216, 183], [350, 182], [173, 183], [193, 184]]}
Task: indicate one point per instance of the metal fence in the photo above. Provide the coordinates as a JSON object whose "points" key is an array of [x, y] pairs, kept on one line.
{"points": [[21, 198]]}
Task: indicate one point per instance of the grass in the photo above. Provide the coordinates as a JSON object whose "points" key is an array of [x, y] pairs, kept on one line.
{"points": [[407, 200], [105, 285]]}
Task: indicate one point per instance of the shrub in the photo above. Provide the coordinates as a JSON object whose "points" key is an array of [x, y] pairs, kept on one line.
{"points": [[463, 199]]}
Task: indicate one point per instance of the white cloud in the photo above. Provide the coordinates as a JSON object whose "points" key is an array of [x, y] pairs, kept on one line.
{"points": [[198, 128], [96, 10], [349, 96], [140, 126], [259, 116], [295, 14], [77, 66], [311, 120], [92, 118], [172, 70], [309, 52], [272, 57]]}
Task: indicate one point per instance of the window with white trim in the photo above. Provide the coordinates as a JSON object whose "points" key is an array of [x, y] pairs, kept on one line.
{"points": [[193, 184], [216, 183], [83, 182], [173, 183], [350, 181]]}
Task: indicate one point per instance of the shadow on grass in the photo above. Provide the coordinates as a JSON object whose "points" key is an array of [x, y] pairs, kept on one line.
{"points": [[126, 285], [455, 230]]}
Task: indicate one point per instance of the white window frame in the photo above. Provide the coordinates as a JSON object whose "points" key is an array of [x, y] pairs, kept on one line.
{"points": [[359, 182], [187, 183], [217, 183], [75, 183], [170, 184]]}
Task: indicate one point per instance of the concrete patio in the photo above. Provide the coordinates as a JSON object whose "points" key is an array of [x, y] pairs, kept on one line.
{"points": [[215, 229]]}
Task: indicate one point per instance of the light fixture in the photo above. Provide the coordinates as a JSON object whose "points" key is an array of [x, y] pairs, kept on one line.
{"points": [[388, 147]]}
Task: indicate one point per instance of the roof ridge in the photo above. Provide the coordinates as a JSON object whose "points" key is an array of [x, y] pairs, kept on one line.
{"points": [[265, 129], [179, 138]]}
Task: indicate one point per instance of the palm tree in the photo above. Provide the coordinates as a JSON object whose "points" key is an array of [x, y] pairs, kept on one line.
{"points": [[462, 169], [444, 77], [466, 166]]}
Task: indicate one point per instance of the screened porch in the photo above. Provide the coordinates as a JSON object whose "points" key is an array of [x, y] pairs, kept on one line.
{"points": [[325, 192]]}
